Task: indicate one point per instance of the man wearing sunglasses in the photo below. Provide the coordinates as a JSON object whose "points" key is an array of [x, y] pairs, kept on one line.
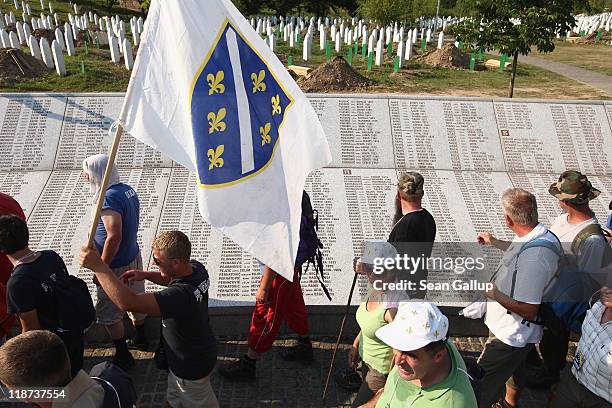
{"points": [[190, 348], [428, 370]]}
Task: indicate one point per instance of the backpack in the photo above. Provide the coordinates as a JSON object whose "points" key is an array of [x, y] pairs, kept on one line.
{"points": [[119, 391], [6, 319], [475, 373], [587, 232], [309, 248], [74, 307], [566, 295]]}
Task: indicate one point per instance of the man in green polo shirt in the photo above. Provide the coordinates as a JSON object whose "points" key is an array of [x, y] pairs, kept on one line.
{"points": [[429, 372]]}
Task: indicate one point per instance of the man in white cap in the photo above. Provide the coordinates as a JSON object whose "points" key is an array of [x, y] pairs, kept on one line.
{"points": [[428, 370]]}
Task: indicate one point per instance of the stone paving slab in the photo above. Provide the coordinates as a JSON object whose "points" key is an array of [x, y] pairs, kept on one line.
{"points": [[279, 383]]}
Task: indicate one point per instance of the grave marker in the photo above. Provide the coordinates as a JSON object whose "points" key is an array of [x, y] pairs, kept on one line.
{"points": [[45, 52], [58, 58]]}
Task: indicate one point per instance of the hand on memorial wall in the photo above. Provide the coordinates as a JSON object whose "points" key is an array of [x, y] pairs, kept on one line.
{"points": [[485, 238], [90, 259]]}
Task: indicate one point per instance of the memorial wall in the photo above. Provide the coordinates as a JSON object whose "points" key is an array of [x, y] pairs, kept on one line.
{"points": [[469, 150]]}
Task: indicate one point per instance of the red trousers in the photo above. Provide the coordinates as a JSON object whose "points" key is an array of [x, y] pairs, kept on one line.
{"points": [[286, 302]]}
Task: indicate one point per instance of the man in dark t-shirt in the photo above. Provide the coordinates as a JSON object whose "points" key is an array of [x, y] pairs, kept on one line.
{"points": [[187, 339], [30, 289], [414, 228]]}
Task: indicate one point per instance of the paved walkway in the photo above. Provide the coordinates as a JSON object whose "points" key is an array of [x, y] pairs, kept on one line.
{"points": [[596, 80], [279, 383]]}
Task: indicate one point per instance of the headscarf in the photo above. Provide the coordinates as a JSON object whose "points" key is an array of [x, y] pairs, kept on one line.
{"points": [[95, 166]]}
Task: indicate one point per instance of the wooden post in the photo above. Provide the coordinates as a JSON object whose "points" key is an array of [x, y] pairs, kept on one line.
{"points": [[107, 174], [331, 366]]}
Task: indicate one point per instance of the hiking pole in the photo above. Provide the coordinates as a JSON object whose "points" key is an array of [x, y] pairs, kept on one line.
{"points": [[346, 311]]}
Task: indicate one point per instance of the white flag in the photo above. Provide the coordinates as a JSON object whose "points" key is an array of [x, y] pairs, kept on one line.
{"points": [[209, 93]]}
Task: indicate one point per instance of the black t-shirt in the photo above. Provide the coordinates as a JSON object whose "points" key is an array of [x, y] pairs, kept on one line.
{"points": [[414, 233], [190, 346], [30, 287]]}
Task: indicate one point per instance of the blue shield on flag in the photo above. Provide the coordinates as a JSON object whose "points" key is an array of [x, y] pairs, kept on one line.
{"points": [[237, 109]]}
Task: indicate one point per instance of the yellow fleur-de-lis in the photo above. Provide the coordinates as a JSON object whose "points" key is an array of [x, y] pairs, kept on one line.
{"points": [[258, 83], [409, 330], [214, 157], [426, 325], [436, 333], [276, 108], [216, 121], [265, 134], [214, 82]]}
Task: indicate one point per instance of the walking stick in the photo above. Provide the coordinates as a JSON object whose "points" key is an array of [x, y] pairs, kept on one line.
{"points": [[331, 367]]}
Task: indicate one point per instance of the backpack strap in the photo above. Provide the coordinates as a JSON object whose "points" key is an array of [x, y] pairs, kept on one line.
{"points": [[584, 234], [535, 243], [108, 385]]}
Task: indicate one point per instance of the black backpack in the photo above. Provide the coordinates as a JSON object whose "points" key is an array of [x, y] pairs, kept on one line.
{"points": [[309, 248], [75, 311], [119, 391]]}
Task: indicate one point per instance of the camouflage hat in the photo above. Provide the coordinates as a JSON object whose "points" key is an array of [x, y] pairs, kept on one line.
{"points": [[410, 184], [573, 187]]}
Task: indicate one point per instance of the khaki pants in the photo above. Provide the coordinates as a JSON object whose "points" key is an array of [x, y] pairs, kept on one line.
{"points": [[503, 365], [109, 314], [190, 393]]}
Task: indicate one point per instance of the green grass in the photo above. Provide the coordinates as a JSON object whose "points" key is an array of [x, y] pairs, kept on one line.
{"points": [[594, 57]]}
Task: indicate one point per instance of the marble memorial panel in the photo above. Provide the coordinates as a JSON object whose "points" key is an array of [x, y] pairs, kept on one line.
{"points": [[358, 131], [445, 135], [25, 187], [85, 132], [29, 131], [553, 137]]}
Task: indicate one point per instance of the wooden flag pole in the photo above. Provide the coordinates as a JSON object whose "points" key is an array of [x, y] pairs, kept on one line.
{"points": [[107, 174], [333, 360]]}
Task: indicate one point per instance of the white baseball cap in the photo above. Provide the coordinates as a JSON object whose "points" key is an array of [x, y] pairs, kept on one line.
{"points": [[416, 325], [377, 249]]}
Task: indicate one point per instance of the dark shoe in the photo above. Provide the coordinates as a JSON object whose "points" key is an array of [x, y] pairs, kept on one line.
{"points": [[301, 353], [541, 379], [349, 380], [124, 361], [241, 370], [138, 343]]}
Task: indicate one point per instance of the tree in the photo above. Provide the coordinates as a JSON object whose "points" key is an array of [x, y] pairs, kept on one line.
{"points": [[513, 27], [385, 11]]}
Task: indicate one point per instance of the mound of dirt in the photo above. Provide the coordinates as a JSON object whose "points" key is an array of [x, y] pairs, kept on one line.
{"points": [[15, 65], [336, 75], [44, 33], [448, 56]]}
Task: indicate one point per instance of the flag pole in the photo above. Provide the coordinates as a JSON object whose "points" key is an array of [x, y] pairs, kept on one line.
{"points": [[105, 181], [333, 360]]}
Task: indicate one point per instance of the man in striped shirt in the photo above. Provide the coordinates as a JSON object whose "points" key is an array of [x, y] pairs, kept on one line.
{"points": [[589, 382]]}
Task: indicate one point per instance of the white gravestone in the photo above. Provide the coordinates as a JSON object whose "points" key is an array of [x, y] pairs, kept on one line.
{"points": [[20, 33], [408, 53], [127, 55], [58, 58], [4, 38], [441, 40], [34, 48], [59, 36], [322, 38], [371, 44], [338, 42], [27, 30], [400, 53], [69, 42], [272, 42], [14, 41], [379, 52], [114, 49], [307, 47]]}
